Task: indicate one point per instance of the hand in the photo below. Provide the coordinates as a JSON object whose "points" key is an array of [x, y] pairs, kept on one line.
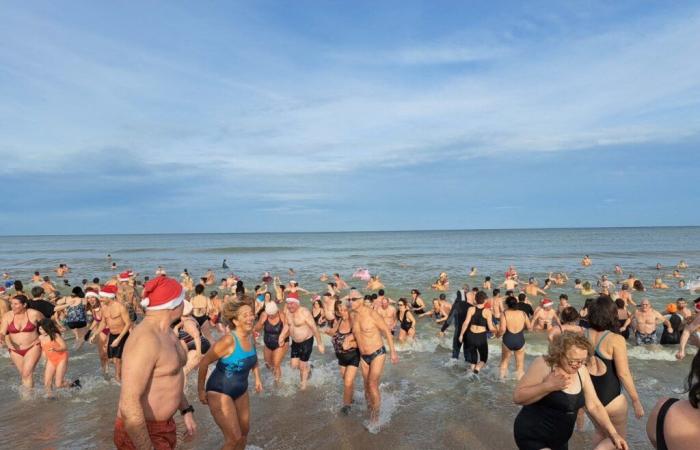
{"points": [[557, 381], [622, 329], [670, 329], [394, 357], [321, 349], [441, 334], [115, 343], [619, 443], [202, 397], [190, 426], [638, 409], [258, 385], [680, 355], [281, 342]]}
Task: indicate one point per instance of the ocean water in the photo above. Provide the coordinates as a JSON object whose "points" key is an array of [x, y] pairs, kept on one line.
{"points": [[428, 401]]}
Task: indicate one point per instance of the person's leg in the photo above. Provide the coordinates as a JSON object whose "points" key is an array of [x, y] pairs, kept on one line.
{"points": [[223, 409], [117, 369], [375, 374], [483, 349], [61, 369], [49, 372], [349, 373], [30, 360], [267, 355], [505, 361], [243, 409], [364, 367], [456, 345], [277, 357], [520, 363], [617, 411], [304, 369]]}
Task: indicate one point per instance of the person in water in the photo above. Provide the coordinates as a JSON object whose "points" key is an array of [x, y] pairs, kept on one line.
{"points": [[346, 352], [302, 328], [609, 367], [458, 314], [272, 322], [417, 304], [367, 328], [513, 324], [18, 329], [473, 334], [673, 423], [56, 353], [552, 391], [645, 321], [191, 338], [690, 332], [118, 323], [76, 317], [226, 390], [152, 376], [407, 323]]}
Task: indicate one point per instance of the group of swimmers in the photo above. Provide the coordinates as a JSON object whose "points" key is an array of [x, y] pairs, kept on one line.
{"points": [[155, 331]]}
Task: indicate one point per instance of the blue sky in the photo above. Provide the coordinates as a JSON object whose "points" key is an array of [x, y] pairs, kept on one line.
{"points": [[300, 116]]}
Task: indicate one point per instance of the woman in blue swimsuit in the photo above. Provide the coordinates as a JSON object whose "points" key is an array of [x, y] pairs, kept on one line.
{"points": [[226, 390]]}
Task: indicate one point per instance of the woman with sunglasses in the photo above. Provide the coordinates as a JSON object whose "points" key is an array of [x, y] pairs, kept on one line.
{"points": [[552, 391]]}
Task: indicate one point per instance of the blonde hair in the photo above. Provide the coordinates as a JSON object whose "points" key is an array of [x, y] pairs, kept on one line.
{"points": [[562, 343], [231, 311]]}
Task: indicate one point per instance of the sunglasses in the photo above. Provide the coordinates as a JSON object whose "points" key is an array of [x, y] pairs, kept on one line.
{"points": [[352, 299]]}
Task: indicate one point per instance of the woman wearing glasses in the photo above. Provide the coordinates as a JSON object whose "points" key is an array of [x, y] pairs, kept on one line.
{"points": [[552, 391]]}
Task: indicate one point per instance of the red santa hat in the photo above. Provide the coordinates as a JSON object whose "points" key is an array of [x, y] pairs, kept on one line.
{"points": [[109, 291], [162, 293], [547, 302], [124, 276], [90, 292]]}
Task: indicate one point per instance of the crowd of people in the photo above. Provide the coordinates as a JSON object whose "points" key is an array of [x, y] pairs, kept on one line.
{"points": [[153, 331]]}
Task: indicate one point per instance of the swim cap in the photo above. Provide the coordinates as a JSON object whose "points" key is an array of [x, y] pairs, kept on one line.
{"points": [[271, 309]]}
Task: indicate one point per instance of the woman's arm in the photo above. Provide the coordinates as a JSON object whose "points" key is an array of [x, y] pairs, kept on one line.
{"points": [[62, 347], [261, 322], [465, 325], [623, 372], [537, 382]]}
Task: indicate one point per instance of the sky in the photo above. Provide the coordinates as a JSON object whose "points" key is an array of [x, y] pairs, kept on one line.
{"points": [[177, 116]]}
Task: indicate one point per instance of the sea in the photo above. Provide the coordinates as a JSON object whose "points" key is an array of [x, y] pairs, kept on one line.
{"points": [[428, 400]]}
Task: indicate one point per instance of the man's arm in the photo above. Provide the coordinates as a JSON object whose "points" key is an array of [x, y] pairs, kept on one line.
{"points": [[309, 320], [137, 368], [124, 314]]}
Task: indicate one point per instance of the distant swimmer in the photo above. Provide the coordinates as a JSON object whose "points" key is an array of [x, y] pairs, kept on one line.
{"points": [[682, 264], [531, 288], [341, 285], [375, 283], [659, 284], [545, 316], [224, 265], [586, 261], [407, 323], [473, 272], [442, 283], [368, 327], [487, 285], [618, 269]]}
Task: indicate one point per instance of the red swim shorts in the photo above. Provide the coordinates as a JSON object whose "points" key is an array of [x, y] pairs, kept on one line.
{"points": [[163, 435]]}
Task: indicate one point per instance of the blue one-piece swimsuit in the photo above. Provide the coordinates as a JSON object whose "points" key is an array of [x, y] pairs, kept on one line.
{"points": [[230, 376]]}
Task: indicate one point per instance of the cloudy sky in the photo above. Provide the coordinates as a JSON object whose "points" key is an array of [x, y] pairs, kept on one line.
{"points": [[299, 116]]}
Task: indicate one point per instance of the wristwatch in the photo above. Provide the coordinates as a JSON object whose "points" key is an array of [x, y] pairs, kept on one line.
{"points": [[189, 409]]}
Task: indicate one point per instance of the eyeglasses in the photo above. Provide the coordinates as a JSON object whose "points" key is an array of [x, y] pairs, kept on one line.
{"points": [[575, 362], [352, 299]]}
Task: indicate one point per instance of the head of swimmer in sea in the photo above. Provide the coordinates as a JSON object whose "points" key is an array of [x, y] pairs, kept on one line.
{"points": [[240, 316], [681, 303], [341, 310], [569, 315], [415, 293], [403, 304], [355, 299], [18, 304], [480, 297], [436, 304], [645, 305], [681, 284], [569, 351], [586, 285], [317, 305], [48, 327], [511, 302], [602, 314]]}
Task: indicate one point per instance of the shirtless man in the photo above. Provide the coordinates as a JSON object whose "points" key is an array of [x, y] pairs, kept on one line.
{"points": [[586, 261], [302, 328], [532, 290], [545, 317], [375, 283], [127, 295], [210, 277], [510, 283], [625, 294], [153, 377], [690, 333], [683, 311], [381, 295], [605, 283], [368, 327], [496, 306], [328, 302], [646, 319], [48, 286], [487, 285], [118, 323], [387, 312], [563, 303], [339, 282]]}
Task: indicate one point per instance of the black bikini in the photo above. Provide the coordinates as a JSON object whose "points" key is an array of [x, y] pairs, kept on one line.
{"points": [[549, 422]]}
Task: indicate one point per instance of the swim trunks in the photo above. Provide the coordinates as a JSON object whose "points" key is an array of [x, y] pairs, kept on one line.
{"points": [[645, 338], [302, 350], [163, 435], [116, 352]]}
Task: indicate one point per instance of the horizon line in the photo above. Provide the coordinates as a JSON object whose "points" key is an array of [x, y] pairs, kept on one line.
{"points": [[353, 231]]}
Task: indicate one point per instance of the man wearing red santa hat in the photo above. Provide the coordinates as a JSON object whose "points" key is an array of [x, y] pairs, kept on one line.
{"points": [[152, 378]]}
